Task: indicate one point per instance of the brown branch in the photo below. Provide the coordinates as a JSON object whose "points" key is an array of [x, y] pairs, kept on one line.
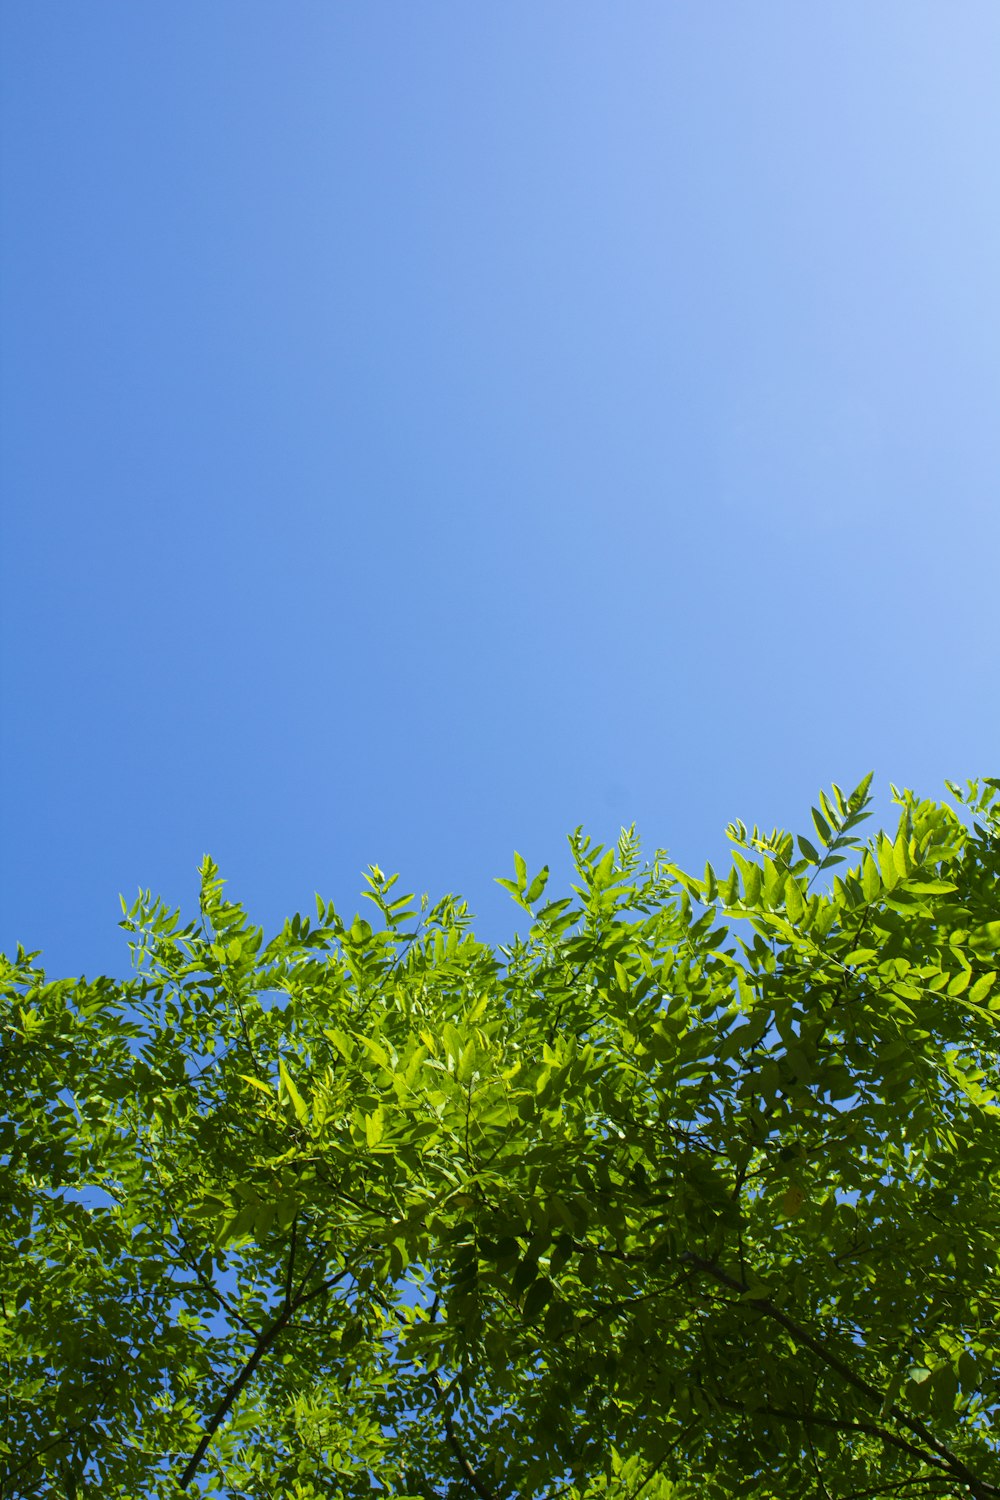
{"points": [[291, 1264], [881, 1491], [838, 1424], [980, 1489], [232, 1392], [235, 1388], [466, 1465], [657, 1464], [820, 1481]]}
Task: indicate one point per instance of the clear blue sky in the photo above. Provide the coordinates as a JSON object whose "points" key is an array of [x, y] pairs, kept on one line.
{"points": [[429, 427]]}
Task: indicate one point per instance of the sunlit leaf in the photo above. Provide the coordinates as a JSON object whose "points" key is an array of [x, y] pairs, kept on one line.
{"points": [[298, 1103]]}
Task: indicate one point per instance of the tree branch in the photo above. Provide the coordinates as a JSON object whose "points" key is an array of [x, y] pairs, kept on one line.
{"points": [[838, 1424], [980, 1489], [239, 1383], [464, 1462], [291, 1264]]}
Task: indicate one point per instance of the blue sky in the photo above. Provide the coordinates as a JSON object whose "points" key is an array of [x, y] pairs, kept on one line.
{"points": [[429, 428]]}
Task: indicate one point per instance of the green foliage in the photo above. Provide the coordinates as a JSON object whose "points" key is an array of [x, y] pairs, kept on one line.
{"points": [[693, 1190]]}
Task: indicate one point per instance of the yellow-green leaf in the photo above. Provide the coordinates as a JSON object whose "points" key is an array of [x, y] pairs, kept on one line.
{"points": [[887, 862], [901, 855], [794, 904], [982, 987], [751, 884], [374, 1128], [298, 1103], [257, 1084]]}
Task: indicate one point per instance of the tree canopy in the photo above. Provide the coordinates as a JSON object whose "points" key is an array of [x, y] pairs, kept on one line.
{"points": [[692, 1189]]}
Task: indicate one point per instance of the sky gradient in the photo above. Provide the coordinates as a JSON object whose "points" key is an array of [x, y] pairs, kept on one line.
{"points": [[424, 429]]}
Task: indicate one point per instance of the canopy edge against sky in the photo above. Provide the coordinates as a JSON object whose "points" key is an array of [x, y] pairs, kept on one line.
{"points": [[424, 431]]}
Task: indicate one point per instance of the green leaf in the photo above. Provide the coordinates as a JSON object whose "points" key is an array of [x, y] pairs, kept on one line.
{"points": [[860, 794], [901, 855], [351, 1335], [822, 826], [887, 862], [774, 883], [794, 904], [986, 939], [520, 873], [340, 1040], [944, 1387], [257, 1084], [981, 988], [832, 813], [374, 1128], [297, 1101], [536, 1298]]}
